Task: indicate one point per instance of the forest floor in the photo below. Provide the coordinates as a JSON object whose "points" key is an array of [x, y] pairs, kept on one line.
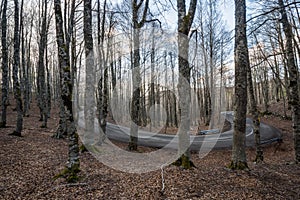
{"points": [[28, 165]]}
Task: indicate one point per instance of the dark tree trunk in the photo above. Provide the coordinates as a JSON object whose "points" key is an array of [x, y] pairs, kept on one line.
{"points": [[41, 80], [66, 96], [25, 66], [16, 66], [136, 76], [61, 131], [5, 86]]}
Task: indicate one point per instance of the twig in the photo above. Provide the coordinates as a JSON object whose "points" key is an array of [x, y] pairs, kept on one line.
{"points": [[162, 179]]}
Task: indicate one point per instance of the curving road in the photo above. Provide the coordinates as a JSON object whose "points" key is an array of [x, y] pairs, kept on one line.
{"points": [[211, 140]]}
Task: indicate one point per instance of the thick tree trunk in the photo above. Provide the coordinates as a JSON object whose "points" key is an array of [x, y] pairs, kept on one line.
{"points": [[61, 131], [5, 86], [239, 160], [185, 21], [89, 100], [66, 95]]}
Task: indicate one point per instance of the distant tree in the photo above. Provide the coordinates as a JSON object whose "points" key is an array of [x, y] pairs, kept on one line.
{"points": [[5, 86], [254, 113], [185, 21], [41, 80], [239, 160], [102, 90], [66, 89], [25, 44]]}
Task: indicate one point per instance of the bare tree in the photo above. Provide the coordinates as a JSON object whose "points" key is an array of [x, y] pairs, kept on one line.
{"points": [[5, 86], [66, 89], [185, 21], [254, 113], [239, 160], [69, 33], [41, 80], [293, 78], [16, 66], [136, 76]]}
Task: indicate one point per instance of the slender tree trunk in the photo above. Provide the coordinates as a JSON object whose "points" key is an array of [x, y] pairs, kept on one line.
{"points": [[136, 75], [254, 112], [136, 98], [16, 66], [174, 104], [26, 65], [152, 83], [293, 79], [42, 90], [5, 86], [239, 160]]}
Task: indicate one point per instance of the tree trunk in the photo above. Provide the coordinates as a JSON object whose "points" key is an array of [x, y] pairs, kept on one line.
{"points": [[66, 86], [136, 76], [16, 66], [254, 112], [61, 131], [173, 96], [136, 98], [89, 100], [5, 86], [293, 79], [41, 81], [185, 21], [239, 160]]}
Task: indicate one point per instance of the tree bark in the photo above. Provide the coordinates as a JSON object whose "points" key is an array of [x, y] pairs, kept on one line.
{"points": [[5, 86], [293, 79], [89, 100], [239, 160], [66, 86], [185, 21], [16, 66], [136, 76], [61, 131], [254, 112], [41, 80]]}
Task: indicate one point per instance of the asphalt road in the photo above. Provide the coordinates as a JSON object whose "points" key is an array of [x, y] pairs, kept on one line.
{"points": [[209, 141]]}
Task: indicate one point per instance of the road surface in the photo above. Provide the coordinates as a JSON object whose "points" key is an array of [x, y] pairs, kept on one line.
{"points": [[212, 140]]}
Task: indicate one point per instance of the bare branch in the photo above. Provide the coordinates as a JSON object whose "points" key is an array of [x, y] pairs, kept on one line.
{"points": [[272, 10]]}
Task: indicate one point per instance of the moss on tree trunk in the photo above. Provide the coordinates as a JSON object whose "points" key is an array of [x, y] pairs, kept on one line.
{"points": [[238, 165]]}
